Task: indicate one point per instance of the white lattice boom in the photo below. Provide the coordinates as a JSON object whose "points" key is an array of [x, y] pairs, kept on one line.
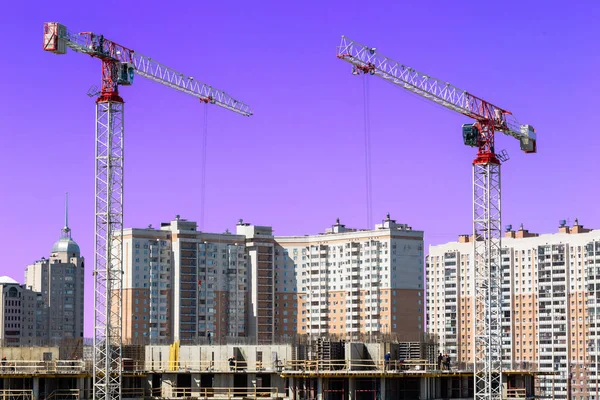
{"points": [[486, 273], [57, 38]]}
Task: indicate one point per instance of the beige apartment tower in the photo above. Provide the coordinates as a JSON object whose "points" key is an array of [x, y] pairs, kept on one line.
{"points": [[260, 252], [182, 284], [550, 305], [349, 283]]}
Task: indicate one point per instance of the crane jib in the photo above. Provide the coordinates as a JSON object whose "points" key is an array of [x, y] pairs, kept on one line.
{"points": [[367, 61], [121, 63], [467, 104]]}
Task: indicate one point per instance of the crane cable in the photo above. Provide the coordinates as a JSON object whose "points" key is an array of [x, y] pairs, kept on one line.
{"points": [[367, 138], [203, 165]]}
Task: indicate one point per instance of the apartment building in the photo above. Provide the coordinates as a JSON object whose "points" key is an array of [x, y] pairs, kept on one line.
{"points": [[260, 253], [348, 282], [182, 284], [60, 280], [550, 305], [147, 280], [21, 313]]}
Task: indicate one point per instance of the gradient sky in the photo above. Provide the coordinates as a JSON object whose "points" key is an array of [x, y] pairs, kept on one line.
{"points": [[297, 164]]}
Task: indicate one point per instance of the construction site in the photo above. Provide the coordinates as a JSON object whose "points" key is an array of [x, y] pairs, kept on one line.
{"points": [[321, 369], [313, 369]]}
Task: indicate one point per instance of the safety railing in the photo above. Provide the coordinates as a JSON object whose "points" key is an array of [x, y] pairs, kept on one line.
{"points": [[218, 392], [16, 394], [514, 393], [358, 365], [126, 393], [514, 366], [130, 393], [409, 365], [64, 394], [16, 367], [281, 366], [315, 365], [204, 366], [391, 366]]}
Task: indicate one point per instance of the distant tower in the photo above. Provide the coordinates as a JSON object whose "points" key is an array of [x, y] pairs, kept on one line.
{"points": [[66, 246], [60, 279]]}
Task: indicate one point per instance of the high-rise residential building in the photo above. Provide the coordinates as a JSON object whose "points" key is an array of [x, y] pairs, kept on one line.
{"points": [[21, 313], [550, 305], [147, 285], [182, 284], [347, 282], [60, 280], [260, 252]]}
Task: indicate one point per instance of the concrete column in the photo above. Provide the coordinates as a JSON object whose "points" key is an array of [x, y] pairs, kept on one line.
{"points": [[196, 390], [36, 388], [319, 388], [351, 388], [195, 381], [223, 380], [424, 383], [292, 388], [465, 386], [382, 388], [80, 386], [148, 384], [167, 384]]}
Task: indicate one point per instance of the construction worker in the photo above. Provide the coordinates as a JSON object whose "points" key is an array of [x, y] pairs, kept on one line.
{"points": [[400, 364], [387, 359]]}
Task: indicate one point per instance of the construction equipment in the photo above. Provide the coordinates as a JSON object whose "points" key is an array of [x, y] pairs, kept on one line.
{"points": [[489, 119], [119, 66]]}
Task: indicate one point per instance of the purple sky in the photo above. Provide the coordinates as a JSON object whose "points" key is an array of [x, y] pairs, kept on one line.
{"points": [[297, 164]]}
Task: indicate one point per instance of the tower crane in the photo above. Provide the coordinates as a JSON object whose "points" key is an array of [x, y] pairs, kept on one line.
{"points": [[485, 268], [119, 67]]}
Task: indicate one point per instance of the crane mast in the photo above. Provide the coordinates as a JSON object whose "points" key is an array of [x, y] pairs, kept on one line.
{"points": [[119, 66], [486, 266]]}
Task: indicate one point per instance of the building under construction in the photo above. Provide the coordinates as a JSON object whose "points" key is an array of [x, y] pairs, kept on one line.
{"points": [[317, 369]]}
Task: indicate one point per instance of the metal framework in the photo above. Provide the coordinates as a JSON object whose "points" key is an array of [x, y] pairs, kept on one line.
{"points": [[488, 278], [486, 273], [57, 38], [119, 64], [108, 271]]}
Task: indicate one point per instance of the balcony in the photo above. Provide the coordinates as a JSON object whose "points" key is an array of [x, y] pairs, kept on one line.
{"points": [[188, 270]]}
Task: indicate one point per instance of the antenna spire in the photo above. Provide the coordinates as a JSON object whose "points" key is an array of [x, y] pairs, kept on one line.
{"points": [[67, 210], [66, 231]]}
